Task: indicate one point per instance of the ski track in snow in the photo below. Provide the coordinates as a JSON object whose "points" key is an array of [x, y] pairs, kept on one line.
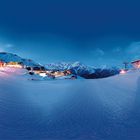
{"points": [[99, 109]]}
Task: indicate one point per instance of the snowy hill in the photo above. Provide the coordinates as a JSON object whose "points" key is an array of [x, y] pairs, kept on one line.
{"points": [[99, 109], [8, 57]]}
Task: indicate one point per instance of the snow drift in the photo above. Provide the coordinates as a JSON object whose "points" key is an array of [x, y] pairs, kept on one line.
{"points": [[103, 109]]}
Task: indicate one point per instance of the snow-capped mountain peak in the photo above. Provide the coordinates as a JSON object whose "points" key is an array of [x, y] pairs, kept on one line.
{"points": [[9, 57]]}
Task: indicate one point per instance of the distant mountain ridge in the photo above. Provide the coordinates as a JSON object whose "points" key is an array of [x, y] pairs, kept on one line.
{"points": [[8, 57], [77, 68], [82, 70]]}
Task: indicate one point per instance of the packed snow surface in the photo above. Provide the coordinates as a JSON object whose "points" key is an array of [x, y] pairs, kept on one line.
{"points": [[99, 109]]}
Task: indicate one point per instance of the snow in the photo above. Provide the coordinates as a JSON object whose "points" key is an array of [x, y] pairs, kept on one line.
{"points": [[9, 57], [76, 66], [100, 109]]}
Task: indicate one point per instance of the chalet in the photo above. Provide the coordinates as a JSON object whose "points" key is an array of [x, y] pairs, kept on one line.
{"points": [[60, 73], [2, 64], [67, 72], [136, 64], [36, 69], [14, 64]]}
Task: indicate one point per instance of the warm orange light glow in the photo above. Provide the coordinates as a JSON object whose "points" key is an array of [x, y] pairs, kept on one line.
{"points": [[136, 64], [122, 71], [15, 66], [43, 74]]}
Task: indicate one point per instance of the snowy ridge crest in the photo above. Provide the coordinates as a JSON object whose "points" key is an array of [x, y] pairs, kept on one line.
{"points": [[8, 57]]}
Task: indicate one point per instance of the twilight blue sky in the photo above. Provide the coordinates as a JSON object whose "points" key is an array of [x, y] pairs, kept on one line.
{"points": [[95, 32]]}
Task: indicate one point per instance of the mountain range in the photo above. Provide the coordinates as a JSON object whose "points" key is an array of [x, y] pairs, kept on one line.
{"points": [[77, 68]]}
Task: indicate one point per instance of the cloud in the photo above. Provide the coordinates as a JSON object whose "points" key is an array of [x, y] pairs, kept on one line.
{"points": [[9, 45], [1, 49], [134, 48], [98, 52], [117, 50], [133, 51], [5, 47]]}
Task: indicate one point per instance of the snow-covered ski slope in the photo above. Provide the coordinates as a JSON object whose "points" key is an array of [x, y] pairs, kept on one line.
{"points": [[99, 109]]}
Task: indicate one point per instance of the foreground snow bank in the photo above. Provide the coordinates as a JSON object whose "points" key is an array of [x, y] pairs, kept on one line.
{"points": [[103, 109]]}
